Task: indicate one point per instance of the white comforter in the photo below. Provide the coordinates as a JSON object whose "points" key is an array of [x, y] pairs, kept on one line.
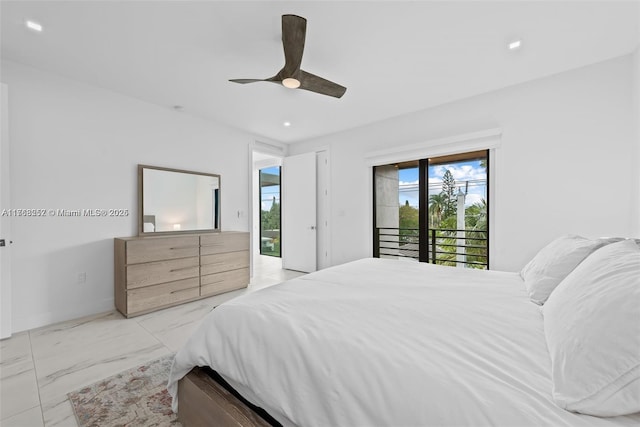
{"points": [[386, 343]]}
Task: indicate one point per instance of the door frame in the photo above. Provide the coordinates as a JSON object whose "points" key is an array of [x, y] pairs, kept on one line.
{"points": [[323, 208], [281, 151], [256, 148], [487, 139], [5, 221]]}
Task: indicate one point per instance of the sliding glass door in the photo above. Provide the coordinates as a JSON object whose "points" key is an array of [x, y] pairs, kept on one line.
{"points": [[434, 210]]}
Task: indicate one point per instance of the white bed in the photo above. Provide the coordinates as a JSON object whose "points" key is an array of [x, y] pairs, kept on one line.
{"points": [[387, 343]]}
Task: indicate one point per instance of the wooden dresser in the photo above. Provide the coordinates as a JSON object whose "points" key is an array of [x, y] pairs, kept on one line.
{"points": [[158, 272]]}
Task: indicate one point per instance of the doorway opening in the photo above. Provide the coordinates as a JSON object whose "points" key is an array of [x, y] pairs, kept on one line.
{"points": [[266, 250]]}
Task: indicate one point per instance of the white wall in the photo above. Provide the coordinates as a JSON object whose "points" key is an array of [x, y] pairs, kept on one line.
{"points": [[565, 165], [75, 146]]}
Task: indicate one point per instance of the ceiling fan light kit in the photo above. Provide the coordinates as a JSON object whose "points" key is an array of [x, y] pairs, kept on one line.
{"points": [[291, 83], [294, 29]]}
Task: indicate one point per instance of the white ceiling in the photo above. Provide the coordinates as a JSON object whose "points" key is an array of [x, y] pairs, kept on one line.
{"points": [[394, 57]]}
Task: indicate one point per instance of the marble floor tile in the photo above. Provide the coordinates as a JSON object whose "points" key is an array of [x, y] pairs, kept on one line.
{"points": [[72, 333], [276, 277], [266, 261], [15, 349], [216, 300], [76, 353], [174, 325], [59, 413], [263, 282], [290, 274], [18, 389], [29, 418]]}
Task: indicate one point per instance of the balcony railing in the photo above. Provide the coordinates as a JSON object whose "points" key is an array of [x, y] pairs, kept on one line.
{"points": [[467, 248]]}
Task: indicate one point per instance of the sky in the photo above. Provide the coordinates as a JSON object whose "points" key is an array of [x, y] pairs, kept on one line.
{"points": [[268, 193], [462, 172]]}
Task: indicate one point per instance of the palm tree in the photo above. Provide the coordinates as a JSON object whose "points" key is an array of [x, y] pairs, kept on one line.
{"points": [[437, 203], [481, 219], [478, 236]]}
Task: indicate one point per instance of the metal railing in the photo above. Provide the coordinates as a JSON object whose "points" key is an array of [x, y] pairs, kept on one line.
{"points": [[444, 246]]}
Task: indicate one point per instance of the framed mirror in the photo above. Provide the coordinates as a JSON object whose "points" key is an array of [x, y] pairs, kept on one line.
{"points": [[173, 201]]}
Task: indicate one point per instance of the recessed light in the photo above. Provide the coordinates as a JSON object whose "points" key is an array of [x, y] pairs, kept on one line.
{"points": [[178, 107], [515, 45], [286, 124], [33, 25]]}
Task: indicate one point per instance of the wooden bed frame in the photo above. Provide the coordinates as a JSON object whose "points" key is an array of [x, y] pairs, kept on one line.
{"points": [[204, 402]]}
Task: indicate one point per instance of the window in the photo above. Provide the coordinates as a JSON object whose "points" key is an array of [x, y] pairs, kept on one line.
{"points": [[434, 210], [270, 211]]}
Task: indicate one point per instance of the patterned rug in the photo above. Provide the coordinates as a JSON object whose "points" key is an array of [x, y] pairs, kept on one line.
{"points": [[137, 397]]}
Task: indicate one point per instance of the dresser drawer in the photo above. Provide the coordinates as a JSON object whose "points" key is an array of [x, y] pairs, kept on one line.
{"points": [[156, 296], [152, 273], [217, 263], [156, 249], [213, 284], [223, 242]]}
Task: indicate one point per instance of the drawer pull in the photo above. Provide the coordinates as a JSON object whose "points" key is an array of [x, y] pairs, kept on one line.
{"points": [[215, 283], [181, 269], [181, 247]]}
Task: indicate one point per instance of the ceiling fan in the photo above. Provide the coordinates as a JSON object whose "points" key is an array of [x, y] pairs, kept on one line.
{"points": [[291, 76]]}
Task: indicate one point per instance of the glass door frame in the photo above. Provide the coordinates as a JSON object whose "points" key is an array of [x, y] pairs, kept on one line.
{"points": [[260, 209], [423, 201]]}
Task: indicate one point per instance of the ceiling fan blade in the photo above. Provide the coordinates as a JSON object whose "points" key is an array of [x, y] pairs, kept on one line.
{"points": [[294, 29], [317, 84], [244, 81], [274, 79]]}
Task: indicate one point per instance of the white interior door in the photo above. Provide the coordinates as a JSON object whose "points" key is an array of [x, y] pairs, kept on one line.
{"points": [[299, 212], [5, 230]]}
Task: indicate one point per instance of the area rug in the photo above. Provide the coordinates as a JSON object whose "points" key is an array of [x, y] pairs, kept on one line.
{"points": [[136, 397]]}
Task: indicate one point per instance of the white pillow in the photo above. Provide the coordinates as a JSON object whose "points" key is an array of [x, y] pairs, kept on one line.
{"points": [[592, 326], [553, 263]]}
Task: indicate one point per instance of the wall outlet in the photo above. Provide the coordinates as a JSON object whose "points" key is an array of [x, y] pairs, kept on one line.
{"points": [[82, 278]]}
